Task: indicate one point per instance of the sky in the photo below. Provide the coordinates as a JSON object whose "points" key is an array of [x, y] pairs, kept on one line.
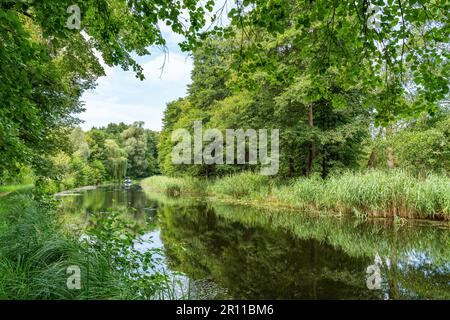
{"points": [[121, 97]]}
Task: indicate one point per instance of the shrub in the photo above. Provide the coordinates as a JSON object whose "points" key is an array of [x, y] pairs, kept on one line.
{"points": [[241, 185]]}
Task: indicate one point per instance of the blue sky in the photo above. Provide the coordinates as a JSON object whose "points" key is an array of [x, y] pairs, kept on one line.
{"points": [[121, 97]]}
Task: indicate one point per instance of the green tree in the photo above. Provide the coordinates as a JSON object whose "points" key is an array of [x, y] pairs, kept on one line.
{"points": [[151, 153], [116, 161], [135, 144], [46, 66], [79, 144]]}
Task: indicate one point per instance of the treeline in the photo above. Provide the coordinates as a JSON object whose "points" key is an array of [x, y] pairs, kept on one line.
{"points": [[339, 102], [46, 66], [347, 87], [102, 154]]}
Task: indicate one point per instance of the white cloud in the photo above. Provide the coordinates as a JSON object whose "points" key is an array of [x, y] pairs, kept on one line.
{"points": [[120, 97], [170, 67], [101, 113]]}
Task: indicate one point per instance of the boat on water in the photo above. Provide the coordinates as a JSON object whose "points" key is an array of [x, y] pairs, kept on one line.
{"points": [[127, 182]]}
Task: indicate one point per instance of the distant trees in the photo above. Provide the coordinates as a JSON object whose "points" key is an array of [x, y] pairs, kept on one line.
{"points": [[135, 145], [102, 154], [46, 66], [116, 160]]}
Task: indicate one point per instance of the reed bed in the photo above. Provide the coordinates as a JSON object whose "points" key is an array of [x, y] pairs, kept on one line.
{"points": [[371, 193]]}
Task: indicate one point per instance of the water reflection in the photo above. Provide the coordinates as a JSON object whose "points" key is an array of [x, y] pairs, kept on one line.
{"points": [[239, 252], [131, 201]]}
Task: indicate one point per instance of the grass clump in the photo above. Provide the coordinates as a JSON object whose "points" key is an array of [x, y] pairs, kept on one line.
{"points": [[242, 185], [375, 193], [174, 186], [35, 255]]}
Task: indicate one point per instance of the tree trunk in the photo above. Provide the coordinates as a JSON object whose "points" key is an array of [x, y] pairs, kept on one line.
{"points": [[390, 158], [312, 147], [390, 152], [372, 160], [291, 170]]}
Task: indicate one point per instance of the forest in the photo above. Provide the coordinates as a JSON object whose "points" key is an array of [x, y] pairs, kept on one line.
{"points": [[364, 122], [358, 91]]}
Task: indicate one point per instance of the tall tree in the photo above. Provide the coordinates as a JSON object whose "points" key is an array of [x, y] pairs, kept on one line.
{"points": [[116, 160], [135, 144], [48, 60]]}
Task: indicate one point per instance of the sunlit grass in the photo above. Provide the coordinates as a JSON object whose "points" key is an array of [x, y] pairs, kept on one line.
{"points": [[35, 252], [242, 185], [5, 189], [173, 186], [371, 193], [374, 193]]}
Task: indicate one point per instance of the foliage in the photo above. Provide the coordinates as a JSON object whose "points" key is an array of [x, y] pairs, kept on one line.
{"points": [[115, 237], [46, 66], [35, 254], [326, 73], [398, 50], [372, 193], [420, 146]]}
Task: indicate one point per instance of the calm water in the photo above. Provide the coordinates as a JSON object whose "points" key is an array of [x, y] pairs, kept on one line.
{"points": [[244, 253]]}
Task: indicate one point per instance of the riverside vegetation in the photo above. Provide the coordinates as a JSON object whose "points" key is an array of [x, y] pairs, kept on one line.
{"points": [[36, 249], [372, 193], [361, 101]]}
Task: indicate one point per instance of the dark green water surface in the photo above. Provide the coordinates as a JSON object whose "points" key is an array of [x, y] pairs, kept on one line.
{"points": [[245, 253]]}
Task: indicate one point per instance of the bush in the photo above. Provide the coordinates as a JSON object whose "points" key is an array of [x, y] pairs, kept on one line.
{"points": [[35, 254], [241, 185], [174, 186]]}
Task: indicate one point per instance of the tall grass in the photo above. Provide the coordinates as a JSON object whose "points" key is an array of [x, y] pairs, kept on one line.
{"points": [[35, 254], [172, 186], [372, 193], [243, 185]]}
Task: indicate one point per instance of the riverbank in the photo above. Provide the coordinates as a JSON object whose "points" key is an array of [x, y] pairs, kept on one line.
{"points": [[75, 191], [373, 193], [7, 189], [38, 256]]}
